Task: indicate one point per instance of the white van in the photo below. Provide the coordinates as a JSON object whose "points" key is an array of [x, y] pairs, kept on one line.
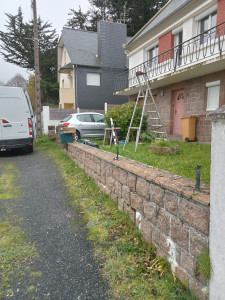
{"points": [[17, 123]]}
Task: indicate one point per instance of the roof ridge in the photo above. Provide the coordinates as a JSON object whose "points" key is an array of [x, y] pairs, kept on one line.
{"points": [[78, 29]]}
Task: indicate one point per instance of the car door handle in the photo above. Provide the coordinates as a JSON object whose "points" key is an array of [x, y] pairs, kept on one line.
{"points": [[7, 125]]}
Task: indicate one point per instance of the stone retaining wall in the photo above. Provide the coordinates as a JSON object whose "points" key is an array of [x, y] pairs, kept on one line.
{"points": [[165, 207]]}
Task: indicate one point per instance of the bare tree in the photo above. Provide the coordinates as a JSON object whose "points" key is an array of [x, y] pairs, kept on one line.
{"points": [[1, 83], [18, 80]]}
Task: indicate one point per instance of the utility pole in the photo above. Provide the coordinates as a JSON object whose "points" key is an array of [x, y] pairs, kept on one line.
{"points": [[37, 71]]}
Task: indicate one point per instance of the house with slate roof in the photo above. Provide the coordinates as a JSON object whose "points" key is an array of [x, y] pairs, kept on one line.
{"points": [[87, 64], [182, 50]]}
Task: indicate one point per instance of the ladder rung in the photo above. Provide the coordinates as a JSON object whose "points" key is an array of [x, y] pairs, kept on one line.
{"points": [[154, 118], [160, 132], [134, 127], [156, 125], [152, 111]]}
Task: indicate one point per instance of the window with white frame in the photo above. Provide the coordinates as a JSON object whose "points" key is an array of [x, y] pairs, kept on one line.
{"points": [[213, 97], [206, 22], [152, 56], [93, 79], [178, 39]]}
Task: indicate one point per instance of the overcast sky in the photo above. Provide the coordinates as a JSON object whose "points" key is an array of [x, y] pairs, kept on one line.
{"points": [[54, 11]]}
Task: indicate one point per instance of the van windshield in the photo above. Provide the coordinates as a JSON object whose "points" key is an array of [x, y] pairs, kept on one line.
{"points": [[12, 109]]}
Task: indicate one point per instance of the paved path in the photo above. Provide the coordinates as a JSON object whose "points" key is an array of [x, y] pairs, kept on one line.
{"points": [[66, 256]]}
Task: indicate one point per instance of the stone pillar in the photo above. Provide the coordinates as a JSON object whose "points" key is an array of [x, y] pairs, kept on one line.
{"points": [[217, 206], [45, 119]]}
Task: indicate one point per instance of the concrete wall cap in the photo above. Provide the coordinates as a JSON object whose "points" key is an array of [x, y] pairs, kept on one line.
{"points": [[219, 113]]}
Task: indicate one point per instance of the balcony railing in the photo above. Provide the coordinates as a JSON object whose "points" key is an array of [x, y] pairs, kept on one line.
{"points": [[208, 44]]}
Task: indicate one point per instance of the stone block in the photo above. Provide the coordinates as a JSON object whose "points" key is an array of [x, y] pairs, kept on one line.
{"points": [[150, 212], [171, 202], [120, 204], [131, 181], [99, 169], [164, 222], [157, 195], [182, 275], [116, 173], [189, 263], [130, 212], [164, 243], [137, 202], [114, 197], [200, 291], [126, 194], [194, 215], [118, 189], [160, 253], [198, 243], [110, 183], [109, 169], [180, 233], [123, 176], [146, 230], [104, 188], [155, 236], [143, 187]]}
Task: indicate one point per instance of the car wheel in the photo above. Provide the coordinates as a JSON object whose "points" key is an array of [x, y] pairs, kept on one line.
{"points": [[77, 136]]}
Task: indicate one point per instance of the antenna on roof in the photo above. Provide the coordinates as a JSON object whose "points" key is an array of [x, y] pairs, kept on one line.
{"points": [[124, 15]]}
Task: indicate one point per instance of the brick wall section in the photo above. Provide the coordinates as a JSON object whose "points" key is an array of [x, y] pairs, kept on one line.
{"points": [[166, 42], [220, 12], [165, 207]]}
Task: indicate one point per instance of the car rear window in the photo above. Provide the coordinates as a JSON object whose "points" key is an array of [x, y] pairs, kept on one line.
{"points": [[67, 118], [84, 118], [99, 118], [12, 109]]}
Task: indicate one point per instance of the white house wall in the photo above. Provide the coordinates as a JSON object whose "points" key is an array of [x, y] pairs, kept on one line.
{"points": [[184, 18], [136, 59]]}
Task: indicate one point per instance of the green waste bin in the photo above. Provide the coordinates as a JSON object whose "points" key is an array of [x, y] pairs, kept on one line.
{"points": [[66, 138], [188, 128]]}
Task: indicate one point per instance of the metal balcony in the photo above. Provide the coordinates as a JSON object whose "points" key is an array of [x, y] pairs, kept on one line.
{"points": [[206, 47]]}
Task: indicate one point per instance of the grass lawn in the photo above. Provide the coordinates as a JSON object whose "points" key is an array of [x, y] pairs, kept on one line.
{"points": [[183, 163]]}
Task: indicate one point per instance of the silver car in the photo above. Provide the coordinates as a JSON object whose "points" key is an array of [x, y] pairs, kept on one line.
{"points": [[88, 125]]}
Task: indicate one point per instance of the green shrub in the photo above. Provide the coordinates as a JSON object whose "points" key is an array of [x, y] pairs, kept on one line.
{"points": [[148, 136], [122, 115]]}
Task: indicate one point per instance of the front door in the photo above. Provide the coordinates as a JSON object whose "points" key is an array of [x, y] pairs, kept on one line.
{"points": [[178, 111]]}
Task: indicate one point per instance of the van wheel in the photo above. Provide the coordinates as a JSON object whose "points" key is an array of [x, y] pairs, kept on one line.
{"points": [[30, 149]]}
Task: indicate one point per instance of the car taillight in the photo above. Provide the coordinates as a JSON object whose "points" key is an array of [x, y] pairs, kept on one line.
{"points": [[4, 121], [30, 126], [66, 124]]}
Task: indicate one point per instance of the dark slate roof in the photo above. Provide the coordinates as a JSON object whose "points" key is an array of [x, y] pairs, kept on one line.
{"points": [[169, 9], [81, 45]]}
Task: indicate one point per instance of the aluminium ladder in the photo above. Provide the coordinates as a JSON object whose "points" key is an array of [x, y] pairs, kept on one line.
{"points": [[155, 122]]}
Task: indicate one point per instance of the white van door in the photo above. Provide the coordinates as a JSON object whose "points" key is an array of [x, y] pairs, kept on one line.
{"points": [[14, 122]]}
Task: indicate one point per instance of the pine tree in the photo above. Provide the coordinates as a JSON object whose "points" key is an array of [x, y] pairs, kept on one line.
{"points": [[136, 13], [78, 19]]}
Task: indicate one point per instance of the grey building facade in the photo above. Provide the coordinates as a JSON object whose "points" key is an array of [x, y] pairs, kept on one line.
{"points": [[88, 63]]}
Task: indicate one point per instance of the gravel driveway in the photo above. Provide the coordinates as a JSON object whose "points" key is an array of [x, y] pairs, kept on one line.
{"points": [[66, 261]]}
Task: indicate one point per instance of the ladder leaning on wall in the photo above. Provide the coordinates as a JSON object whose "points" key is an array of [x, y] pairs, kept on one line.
{"points": [[156, 124]]}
